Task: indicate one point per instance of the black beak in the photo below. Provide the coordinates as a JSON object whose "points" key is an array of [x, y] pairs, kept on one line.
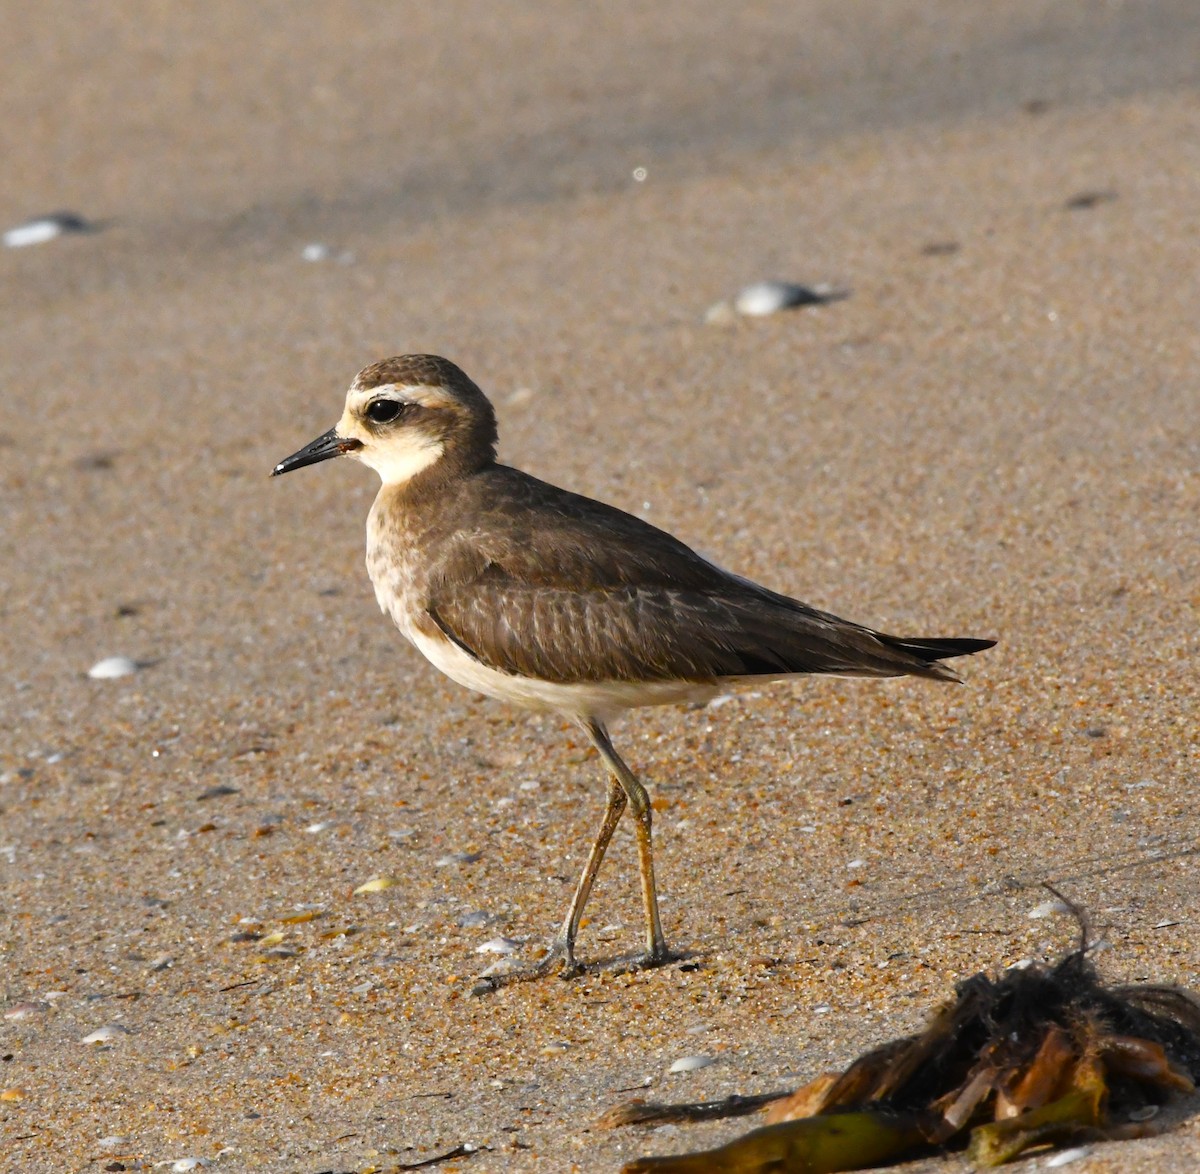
{"points": [[328, 444]]}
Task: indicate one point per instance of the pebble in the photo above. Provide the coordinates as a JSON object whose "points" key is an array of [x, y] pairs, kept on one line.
{"points": [[105, 1035], [45, 228], [691, 1063], [499, 945], [111, 667]]}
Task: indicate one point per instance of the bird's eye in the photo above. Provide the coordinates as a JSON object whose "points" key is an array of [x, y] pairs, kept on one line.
{"points": [[383, 411]]}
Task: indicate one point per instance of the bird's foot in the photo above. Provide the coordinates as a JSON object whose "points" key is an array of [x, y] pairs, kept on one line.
{"points": [[660, 955], [559, 955]]}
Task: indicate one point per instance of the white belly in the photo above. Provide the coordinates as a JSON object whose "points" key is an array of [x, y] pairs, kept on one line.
{"points": [[598, 699]]}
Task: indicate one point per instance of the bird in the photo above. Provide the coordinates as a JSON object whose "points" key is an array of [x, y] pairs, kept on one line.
{"points": [[557, 602]]}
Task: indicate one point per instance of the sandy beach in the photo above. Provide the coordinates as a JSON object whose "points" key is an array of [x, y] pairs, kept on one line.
{"points": [[995, 433]]}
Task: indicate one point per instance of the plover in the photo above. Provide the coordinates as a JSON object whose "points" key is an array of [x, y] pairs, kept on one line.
{"points": [[529, 593]]}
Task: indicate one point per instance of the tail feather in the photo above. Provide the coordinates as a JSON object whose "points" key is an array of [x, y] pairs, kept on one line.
{"points": [[939, 648]]}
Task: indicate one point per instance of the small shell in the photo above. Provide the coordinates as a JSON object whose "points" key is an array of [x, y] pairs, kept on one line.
{"points": [[182, 1164], [1048, 909], [300, 918], [105, 1035], [499, 945], [26, 1010], [112, 667], [45, 228], [458, 858], [376, 885], [769, 297], [1066, 1157], [691, 1063]]}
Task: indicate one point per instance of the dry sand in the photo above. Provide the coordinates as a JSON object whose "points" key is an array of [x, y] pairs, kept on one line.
{"points": [[996, 438]]}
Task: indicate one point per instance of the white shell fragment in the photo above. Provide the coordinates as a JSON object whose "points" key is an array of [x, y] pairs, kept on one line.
{"points": [[182, 1164], [105, 1035], [114, 1141], [316, 252], [45, 228], [112, 667], [1048, 909], [458, 858], [499, 945], [1066, 1157], [691, 1063], [769, 297], [26, 1010]]}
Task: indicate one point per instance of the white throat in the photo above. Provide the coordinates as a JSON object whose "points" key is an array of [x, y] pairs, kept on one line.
{"points": [[401, 460]]}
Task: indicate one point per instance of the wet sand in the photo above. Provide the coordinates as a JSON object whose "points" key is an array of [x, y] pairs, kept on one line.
{"points": [[995, 434]]}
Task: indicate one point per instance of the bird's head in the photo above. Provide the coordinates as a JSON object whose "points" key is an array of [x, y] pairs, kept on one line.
{"points": [[406, 415]]}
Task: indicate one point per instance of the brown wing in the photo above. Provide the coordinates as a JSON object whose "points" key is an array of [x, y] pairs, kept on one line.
{"points": [[585, 592], [651, 634]]}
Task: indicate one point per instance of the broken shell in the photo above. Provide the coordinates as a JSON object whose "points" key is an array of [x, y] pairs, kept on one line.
{"points": [[112, 667], [1066, 1157], [1048, 909], [499, 945], [105, 1035], [45, 228], [769, 297], [26, 1010], [458, 858], [376, 885], [691, 1063]]}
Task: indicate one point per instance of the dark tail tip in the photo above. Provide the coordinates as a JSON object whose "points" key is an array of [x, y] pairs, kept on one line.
{"points": [[942, 648]]}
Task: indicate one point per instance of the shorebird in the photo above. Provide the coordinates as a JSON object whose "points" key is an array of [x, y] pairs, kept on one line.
{"points": [[538, 596]]}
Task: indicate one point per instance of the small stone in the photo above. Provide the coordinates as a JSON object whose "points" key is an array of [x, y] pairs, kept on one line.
{"points": [[112, 667], [316, 252], [13, 1094], [477, 919], [181, 1164], [114, 1142], [217, 792], [691, 1063]]}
